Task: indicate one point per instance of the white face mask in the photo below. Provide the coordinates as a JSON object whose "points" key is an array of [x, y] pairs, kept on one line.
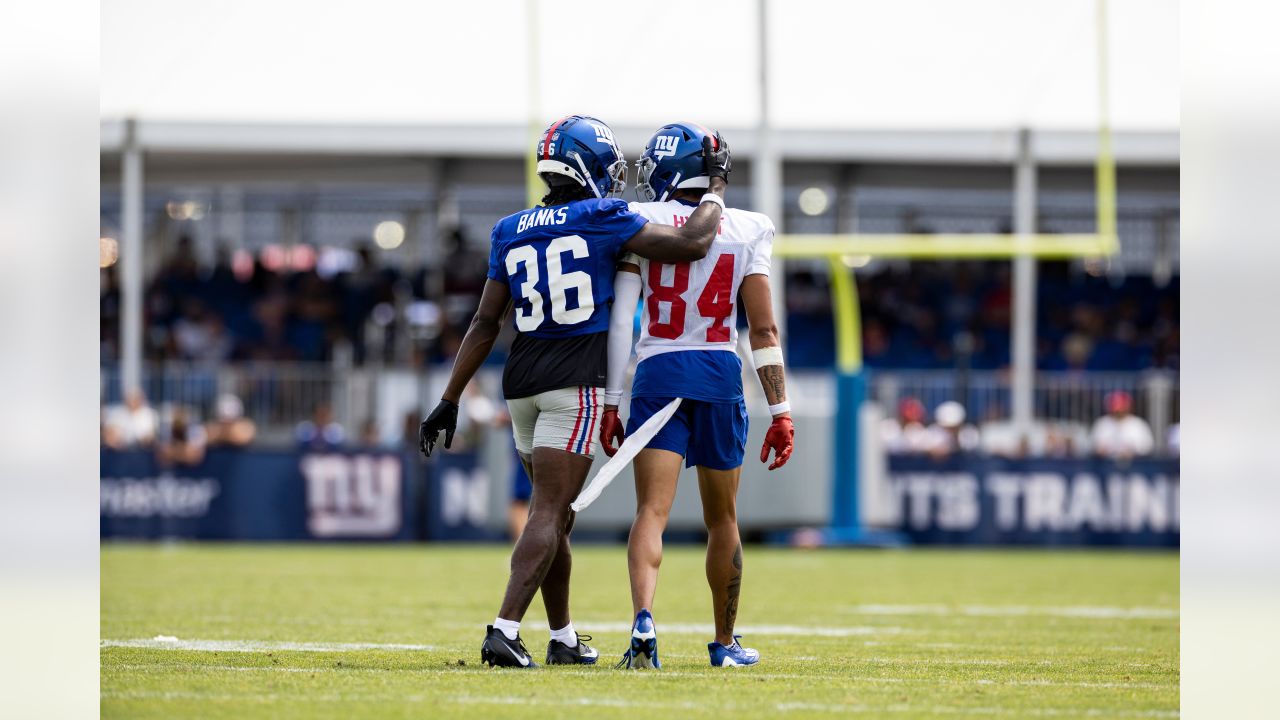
{"points": [[617, 177], [644, 170]]}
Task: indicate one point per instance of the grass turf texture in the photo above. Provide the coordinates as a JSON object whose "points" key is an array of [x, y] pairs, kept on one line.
{"points": [[905, 634]]}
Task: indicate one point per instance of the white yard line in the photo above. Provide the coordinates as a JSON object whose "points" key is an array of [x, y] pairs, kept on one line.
{"points": [[710, 630], [755, 673], [164, 642], [950, 710], [649, 704], [1066, 611]]}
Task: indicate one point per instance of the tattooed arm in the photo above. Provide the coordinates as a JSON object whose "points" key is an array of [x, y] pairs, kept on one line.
{"points": [[758, 302]]}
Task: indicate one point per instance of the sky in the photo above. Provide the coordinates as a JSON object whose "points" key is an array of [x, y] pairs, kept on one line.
{"points": [[851, 64]]}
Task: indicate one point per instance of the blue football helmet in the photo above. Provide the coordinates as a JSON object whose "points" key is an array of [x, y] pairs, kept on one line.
{"points": [[672, 160], [582, 149]]}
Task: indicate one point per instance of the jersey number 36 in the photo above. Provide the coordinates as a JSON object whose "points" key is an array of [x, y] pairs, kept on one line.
{"points": [[558, 283]]}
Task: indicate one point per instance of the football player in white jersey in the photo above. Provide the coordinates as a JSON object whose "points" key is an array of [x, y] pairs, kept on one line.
{"points": [[687, 350]]}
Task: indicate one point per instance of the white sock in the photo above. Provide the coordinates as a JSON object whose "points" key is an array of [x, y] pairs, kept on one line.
{"points": [[510, 628], [566, 635]]}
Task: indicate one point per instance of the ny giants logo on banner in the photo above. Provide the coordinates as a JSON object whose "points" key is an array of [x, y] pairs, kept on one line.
{"points": [[352, 495]]}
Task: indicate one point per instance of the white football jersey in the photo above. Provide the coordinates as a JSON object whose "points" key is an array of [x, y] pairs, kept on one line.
{"points": [[694, 306]]}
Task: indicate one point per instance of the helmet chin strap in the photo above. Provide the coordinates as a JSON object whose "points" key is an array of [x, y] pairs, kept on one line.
{"points": [[675, 182], [590, 181]]}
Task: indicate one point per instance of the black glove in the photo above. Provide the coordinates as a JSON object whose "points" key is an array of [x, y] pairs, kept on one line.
{"points": [[716, 162], [444, 417]]}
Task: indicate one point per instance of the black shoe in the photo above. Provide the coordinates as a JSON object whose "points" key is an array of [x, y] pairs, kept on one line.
{"points": [[498, 650], [583, 654]]}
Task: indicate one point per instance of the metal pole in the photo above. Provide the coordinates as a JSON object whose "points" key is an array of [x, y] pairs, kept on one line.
{"points": [[1105, 167], [1024, 290], [766, 172], [534, 188], [131, 188]]}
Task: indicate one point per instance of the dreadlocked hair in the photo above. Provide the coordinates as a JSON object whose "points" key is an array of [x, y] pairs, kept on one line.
{"points": [[561, 190]]}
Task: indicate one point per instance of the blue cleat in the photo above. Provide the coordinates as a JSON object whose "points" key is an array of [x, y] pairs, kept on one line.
{"points": [[733, 655], [643, 653]]}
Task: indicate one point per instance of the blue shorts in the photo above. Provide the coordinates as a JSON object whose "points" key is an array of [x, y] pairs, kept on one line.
{"points": [[708, 434]]}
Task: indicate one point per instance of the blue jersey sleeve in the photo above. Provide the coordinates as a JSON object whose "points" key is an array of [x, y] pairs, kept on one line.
{"points": [[616, 223], [497, 268]]}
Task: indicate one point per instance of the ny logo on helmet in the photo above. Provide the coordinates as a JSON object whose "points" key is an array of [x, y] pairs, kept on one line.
{"points": [[604, 135], [665, 145]]}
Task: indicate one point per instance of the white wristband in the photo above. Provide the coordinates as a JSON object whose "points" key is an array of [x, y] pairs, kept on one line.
{"points": [[771, 355], [612, 398], [713, 198], [784, 406]]}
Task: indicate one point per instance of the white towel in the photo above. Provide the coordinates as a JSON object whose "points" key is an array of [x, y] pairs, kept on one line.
{"points": [[630, 448]]}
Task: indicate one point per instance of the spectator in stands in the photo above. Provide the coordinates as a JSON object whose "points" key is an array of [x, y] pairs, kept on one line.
{"points": [[1121, 435], [230, 428], [182, 442], [1045, 438], [1000, 437], [370, 438], [949, 434], [130, 425], [907, 434], [321, 433], [479, 416], [1064, 439], [200, 334], [409, 429], [1173, 442]]}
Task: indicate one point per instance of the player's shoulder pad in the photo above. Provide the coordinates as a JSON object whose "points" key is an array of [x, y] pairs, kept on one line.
{"points": [[758, 225], [651, 210], [502, 228], [604, 204]]}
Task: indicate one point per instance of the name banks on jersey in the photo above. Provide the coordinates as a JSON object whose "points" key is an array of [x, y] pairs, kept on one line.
{"points": [[559, 263], [689, 315]]}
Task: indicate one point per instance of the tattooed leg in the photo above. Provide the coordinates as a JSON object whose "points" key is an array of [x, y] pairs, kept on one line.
{"points": [[719, 489]]}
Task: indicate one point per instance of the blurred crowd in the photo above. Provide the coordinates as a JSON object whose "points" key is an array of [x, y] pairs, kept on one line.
{"points": [[176, 435], [939, 315], [957, 314], [914, 316], [1118, 435], [286, 305]]}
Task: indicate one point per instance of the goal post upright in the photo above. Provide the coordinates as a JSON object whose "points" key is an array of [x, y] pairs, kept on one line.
{"points": [[1026, 245]]}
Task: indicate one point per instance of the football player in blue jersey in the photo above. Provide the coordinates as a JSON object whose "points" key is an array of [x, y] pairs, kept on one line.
{"points": [[688, 361], [554, 266]]}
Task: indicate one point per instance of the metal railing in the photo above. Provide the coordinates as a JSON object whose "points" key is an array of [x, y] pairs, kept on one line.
{"points": [[1071, 397], [277, 396]]}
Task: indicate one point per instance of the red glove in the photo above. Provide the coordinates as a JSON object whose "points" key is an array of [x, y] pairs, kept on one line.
{"points": [[611, 431], [781, 438]]}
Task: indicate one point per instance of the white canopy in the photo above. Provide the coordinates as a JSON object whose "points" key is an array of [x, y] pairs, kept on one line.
{"points": [[836, 64]]}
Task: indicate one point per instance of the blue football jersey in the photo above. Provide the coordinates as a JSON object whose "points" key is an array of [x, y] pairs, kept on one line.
{"points": [[560, 261]]}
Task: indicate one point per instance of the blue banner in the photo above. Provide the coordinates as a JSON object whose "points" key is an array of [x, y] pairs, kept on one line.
{"points": [[264, 495], [458, 499], [993, 501]]}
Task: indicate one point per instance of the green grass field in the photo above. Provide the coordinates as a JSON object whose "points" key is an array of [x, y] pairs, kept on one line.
{"points": [[394, 631]]}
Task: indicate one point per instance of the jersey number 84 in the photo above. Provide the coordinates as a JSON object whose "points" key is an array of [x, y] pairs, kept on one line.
{"points": [[714, 303]]}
